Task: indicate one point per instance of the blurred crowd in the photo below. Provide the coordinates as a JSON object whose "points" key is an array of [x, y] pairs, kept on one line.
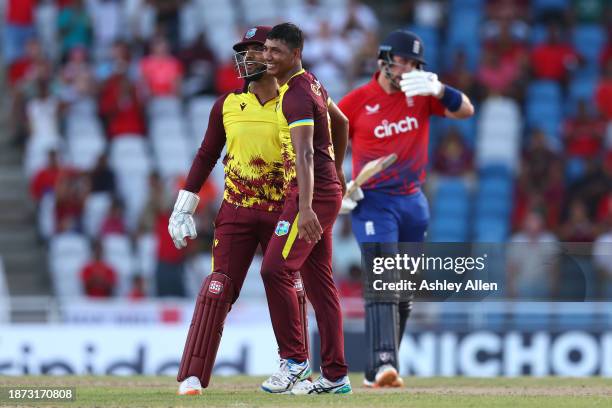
{"points": [[68, 59], [116, 58]]}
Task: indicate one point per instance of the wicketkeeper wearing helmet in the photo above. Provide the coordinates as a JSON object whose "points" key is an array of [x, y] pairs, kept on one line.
{"points": [[390, 114], [245, 121]]}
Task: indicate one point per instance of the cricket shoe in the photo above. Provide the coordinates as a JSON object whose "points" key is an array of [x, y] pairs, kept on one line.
{"points": [[323, 386], [288, 375], [190, 386], [386, 377]]}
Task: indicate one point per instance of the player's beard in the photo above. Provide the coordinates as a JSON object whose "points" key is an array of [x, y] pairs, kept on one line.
{"points": [[255, 77], [394, 80]]}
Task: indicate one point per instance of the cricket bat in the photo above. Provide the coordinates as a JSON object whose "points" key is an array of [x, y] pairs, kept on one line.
{"points": [[371, 169]]}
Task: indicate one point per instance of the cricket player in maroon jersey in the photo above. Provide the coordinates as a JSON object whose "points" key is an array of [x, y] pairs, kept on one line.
{"points": [[390, 114], [245, 120], [302, 239]]}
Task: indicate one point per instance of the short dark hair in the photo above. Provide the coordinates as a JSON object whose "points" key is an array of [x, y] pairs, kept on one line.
{"points": [[289, 33]]}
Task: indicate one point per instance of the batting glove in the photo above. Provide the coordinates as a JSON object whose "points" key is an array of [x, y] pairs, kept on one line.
{"points": [[348, 205], [181, 224], [350, 202], [422, 83], [356, 195]]}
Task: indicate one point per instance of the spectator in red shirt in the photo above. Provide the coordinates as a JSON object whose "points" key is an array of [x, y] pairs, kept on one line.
{"points": [[604, 209], [18, 28], [120, 106], [452, 157], [161, 71], [603, 94], [578, 227], [606, 53], [351, 286], [554, 58], [583, 133], [70, 193], [226, 78], [23, 67], [45, 180], [497, 76], [170, 270], [540, 184], [98, 278], [199, 62], [114, 222], [137, 291], [350, 291], [511, 51]]}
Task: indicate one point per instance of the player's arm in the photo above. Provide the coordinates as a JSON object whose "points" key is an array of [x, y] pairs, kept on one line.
{"points": [[456, 104], [339, 136], [309, 227], [466, 109], [181, 224], [209, 151]]}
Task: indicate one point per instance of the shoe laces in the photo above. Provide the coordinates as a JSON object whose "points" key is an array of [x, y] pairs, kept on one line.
{"points": [[282, 373]]}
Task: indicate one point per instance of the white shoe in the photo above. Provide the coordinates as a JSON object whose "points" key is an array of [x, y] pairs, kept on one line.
{"points": [[386, 376], [323, 386], [289, 373], [190, 386]]}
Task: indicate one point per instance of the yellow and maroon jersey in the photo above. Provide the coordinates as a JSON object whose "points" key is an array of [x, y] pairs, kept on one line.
{"points": [[253, 164], [303, 102]]}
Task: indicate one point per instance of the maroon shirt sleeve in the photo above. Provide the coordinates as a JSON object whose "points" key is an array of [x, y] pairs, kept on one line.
{"points": [[297, 104], [210, 150]]}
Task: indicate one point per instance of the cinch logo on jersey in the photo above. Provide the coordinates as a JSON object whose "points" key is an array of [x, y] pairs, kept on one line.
{"points": [[386, 129], [215, 287]]}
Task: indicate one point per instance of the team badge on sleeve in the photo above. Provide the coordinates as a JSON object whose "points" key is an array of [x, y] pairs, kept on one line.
{"points": [[282, 228], [316, 88]]}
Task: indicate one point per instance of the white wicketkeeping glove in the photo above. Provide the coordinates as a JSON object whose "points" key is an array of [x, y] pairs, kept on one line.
{"points": [[181, 224], [349, 203], [420, 83]]}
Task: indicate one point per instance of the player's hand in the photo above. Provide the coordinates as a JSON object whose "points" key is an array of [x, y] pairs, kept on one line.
{"points": [[348, 205], [181, 224], [309, 228], [422, 83], [342, 180], [357, 194]]}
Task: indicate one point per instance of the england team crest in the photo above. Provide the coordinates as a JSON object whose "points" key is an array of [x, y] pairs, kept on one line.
{"points": [[282, 228]]}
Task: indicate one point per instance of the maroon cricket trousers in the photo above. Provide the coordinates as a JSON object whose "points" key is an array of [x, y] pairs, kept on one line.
{"points": [[286, 254]]}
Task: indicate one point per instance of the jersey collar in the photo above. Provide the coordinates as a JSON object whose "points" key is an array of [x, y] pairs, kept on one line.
{"points": [[254, 96], [300, 72], [285, 86]]}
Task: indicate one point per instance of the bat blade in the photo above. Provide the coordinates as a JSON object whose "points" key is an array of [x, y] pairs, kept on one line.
{"points": [[371, 169]]}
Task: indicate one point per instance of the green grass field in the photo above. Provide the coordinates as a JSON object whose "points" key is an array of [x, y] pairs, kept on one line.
{"points": [[243, 392]]}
